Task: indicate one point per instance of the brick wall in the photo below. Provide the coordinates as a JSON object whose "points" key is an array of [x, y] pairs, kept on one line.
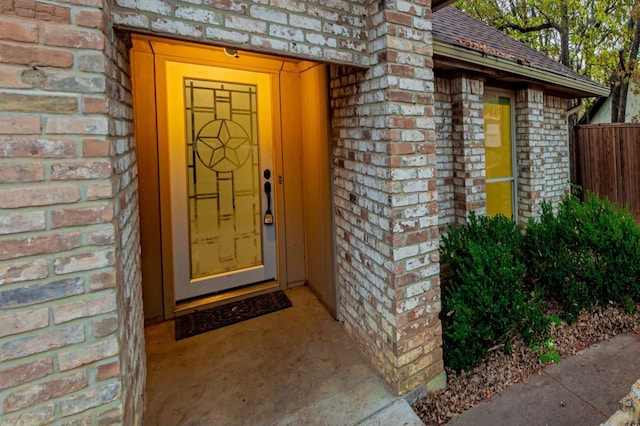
{"points": [[66, 263], [385, 198], [556, 150], [444, 153], [467, 97], [329, 30], [530, 148]]}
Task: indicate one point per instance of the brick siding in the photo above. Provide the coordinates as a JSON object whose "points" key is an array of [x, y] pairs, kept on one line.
{"points": [[327, 30], [556, 153], [530, 148], [71, 337], [69, 282], [386, 199], [542, 146], [444, 152], [467, 97]]}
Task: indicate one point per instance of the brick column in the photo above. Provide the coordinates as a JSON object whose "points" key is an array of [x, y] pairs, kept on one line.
{"points": [[386, 199], [468, 147], [530, 151], [444, 153], [71, 328], [556, 150]]}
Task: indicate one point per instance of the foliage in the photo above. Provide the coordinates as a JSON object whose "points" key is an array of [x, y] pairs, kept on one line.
{"points": [[499, 282], [587, 253], [593, 37], [484, 303], [547, 352]]}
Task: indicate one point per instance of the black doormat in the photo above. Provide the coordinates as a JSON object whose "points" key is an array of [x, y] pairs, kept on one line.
{"points": [[231, 313]]}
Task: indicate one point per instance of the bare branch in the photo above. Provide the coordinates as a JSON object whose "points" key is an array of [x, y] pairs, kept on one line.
{"points": [[524, 30]]}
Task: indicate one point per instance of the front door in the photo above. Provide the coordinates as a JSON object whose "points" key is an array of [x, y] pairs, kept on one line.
{"points": [[219, 144]]}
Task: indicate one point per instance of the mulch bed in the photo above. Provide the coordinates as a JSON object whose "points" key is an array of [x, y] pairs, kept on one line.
{"points": [[500, 370]]}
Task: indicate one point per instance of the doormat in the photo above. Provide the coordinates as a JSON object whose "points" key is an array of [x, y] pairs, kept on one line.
{"points": [[231, 313]]}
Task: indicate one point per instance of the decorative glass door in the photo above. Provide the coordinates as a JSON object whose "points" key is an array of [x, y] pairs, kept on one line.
{"points": [[219, 135], [498, 135]]}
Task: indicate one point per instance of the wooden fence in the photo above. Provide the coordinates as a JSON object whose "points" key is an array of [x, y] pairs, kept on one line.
{"points": [[606, 161]]}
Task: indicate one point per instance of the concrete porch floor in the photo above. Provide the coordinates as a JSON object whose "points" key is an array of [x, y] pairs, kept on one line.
{"points": [[292, 367]]}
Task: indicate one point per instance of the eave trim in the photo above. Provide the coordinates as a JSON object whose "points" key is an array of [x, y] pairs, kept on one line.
{"points": [[487, 60]]}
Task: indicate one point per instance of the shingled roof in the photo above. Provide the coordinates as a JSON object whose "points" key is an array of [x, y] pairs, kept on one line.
{"points": [[452, 26]]}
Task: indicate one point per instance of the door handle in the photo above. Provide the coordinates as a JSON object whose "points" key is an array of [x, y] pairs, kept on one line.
{"points": [[268, 216]]}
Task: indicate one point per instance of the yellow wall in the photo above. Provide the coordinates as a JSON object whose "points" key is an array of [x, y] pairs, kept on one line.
{"points": [[317, 186]]}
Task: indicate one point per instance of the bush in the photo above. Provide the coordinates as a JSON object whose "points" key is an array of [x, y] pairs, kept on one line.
{"points": [[483, 301], [588, 253]]}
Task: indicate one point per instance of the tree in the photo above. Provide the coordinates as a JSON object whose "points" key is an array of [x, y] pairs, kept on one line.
{"points": [[596, 38], [627, 70]]}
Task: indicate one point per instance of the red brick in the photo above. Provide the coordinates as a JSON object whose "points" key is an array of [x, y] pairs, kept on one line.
{"points": [[50, 12], [95, 148], [33, 55], [93, 105], [43, 342], [83, 261], [99, 191], [81, 170], [42, 244], [21, 322], [90, 19], [11, 77], [104, 326], [55, 35], [45, 391], [401, 122], [31, 147], [76, 357], [38, 196], [23, 271], [16, 173], [14, 223], [14, 30], [400, 148], [108, 371], [102, 281], [24, 373], [19, 124], [398, 18], [81, 216]]}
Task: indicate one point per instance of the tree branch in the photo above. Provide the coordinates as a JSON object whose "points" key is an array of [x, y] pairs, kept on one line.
{"points": [[523, 30]]}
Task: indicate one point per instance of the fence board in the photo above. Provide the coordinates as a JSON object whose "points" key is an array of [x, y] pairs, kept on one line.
{"points": [[606, 161]]}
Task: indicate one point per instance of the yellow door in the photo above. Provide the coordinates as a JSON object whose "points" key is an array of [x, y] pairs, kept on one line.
{"points": [[498, 133], [218, 140]]}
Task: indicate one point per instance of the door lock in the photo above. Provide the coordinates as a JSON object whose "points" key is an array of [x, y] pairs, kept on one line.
{"points": [[268, 216]]}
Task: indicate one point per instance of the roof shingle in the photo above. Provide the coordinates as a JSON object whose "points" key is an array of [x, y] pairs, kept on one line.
{"points": [[453, 26]]}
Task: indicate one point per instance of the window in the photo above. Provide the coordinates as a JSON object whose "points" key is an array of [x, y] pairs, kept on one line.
{"points": [[499, 153]]}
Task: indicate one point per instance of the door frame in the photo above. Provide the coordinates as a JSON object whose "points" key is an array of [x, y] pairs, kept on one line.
{"points": [[168, 134], [146, 94]]}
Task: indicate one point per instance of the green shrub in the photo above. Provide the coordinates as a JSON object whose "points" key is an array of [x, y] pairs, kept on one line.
{"points": [[483, 300], [587, 253]]}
